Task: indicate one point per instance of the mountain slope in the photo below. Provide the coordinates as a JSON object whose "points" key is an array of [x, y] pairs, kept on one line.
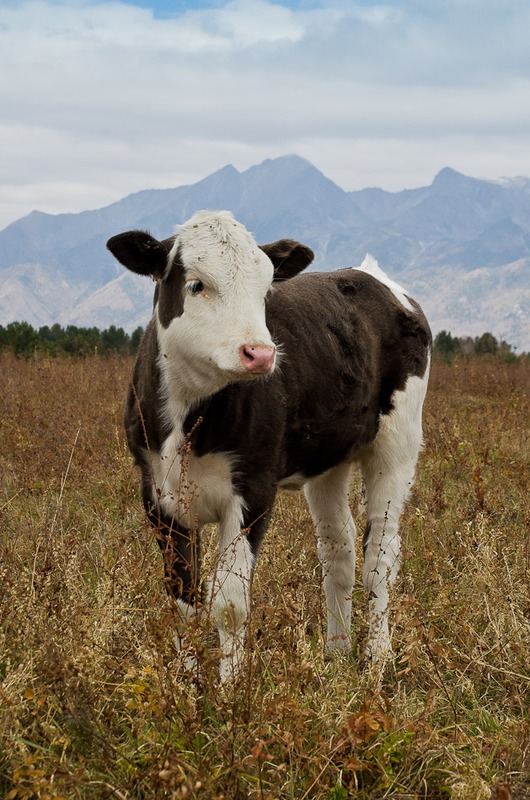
{"points": [[460, 245]]}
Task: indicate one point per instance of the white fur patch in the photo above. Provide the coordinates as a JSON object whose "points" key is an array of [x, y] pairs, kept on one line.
{"points": [[371, 267], [195, 490], [222, 250], [200, 349], [293, 483]]}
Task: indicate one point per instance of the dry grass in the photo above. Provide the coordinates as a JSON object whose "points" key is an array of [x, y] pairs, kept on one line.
{"points": [[94, 702]]}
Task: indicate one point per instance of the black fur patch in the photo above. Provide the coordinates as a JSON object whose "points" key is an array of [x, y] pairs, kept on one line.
{"points": [[170, 293]]}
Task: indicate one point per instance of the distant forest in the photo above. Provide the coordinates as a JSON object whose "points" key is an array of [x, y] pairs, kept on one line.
{"points": [[447, 347], [24, 340]]}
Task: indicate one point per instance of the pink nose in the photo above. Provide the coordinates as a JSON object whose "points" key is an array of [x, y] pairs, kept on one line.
{"points": [[257, 358]]}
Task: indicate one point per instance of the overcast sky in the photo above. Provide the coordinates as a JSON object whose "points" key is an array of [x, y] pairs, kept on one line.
{"points": [[100, 98]]}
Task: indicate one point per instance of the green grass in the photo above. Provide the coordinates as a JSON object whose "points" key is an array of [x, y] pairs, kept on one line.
{"points": [[94, 702]]}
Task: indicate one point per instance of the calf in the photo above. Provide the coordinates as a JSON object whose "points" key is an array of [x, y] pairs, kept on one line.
{"points": [[250, 378]]}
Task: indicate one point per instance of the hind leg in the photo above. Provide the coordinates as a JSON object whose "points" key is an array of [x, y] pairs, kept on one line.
{"points": [[388, 466], [327, 497]]}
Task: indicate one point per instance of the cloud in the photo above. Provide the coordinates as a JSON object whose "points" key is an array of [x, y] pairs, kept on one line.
{"points": [[103, 98]]}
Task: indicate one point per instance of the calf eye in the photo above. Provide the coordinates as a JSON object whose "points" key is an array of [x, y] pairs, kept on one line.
{"points": [[195, 287]]}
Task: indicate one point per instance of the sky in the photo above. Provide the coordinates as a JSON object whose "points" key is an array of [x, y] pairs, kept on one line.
{"points": [[102, 98]]}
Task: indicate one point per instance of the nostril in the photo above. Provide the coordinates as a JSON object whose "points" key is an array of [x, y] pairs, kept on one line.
{"points": [[248, 354], [258, 359]]}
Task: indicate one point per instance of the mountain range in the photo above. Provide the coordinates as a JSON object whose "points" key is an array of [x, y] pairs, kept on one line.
{"points": [[460, 246]]}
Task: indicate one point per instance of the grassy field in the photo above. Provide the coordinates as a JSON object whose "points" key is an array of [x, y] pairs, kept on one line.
{"points": [[94, 702]]}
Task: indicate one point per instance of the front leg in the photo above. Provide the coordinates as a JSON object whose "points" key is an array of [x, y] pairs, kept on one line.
{"points": [[181, 553], [230, 588]]}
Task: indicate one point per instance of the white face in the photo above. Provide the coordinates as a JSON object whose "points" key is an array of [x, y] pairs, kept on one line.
{"points": [[221, 335]]}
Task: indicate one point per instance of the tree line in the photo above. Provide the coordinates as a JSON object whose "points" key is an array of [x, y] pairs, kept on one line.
{"points": [[448, 347], [24, 340]]}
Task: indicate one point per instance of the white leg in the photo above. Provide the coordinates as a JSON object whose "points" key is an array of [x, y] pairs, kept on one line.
{"points": [[184, 615], [327, 497], [388, 467], [230, 590]]}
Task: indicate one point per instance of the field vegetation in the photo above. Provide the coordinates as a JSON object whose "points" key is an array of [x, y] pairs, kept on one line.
{"points": [[94, 702]]}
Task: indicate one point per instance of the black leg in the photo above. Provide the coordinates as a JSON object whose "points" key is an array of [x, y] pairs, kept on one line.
{"points": [[181, 551], [255, 527]]}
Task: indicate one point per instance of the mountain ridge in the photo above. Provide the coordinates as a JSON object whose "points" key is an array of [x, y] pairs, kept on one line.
{"points": [[461, 245]]}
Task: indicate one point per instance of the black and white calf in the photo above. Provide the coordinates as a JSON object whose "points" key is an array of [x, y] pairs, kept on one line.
{"points": [[250, 378]]}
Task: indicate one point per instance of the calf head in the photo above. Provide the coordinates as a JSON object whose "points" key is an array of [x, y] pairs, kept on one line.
{"points": [[212, 281]]}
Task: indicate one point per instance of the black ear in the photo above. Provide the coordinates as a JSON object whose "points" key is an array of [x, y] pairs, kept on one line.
{"points": [[288, 258], [141, 252]]}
